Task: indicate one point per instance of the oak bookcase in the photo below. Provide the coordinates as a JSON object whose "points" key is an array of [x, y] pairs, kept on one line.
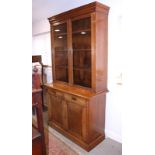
{"points": [[76, 98]]}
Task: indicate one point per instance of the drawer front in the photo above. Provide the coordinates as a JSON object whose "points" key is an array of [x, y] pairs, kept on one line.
{"points": [[68, 97], [56, 93], [75, 99]]}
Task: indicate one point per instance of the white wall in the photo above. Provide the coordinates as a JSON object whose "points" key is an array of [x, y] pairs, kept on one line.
{"points": [[113, 128], [114, 97], [41, 46], [40, 27]]}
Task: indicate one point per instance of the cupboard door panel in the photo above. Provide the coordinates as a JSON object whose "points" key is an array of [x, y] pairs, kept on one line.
{"points": [[75, 118], [57, 108]]}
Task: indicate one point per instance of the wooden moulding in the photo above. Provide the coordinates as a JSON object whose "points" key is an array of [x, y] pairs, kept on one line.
{"points": [[72, 90], [86, 9]]}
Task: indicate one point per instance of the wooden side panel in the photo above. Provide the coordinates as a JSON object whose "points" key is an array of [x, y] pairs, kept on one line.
{"points": [[97, 116], [101, 51]]}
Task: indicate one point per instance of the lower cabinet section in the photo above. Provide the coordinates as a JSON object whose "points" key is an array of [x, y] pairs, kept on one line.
{"points": [[80, 117]]}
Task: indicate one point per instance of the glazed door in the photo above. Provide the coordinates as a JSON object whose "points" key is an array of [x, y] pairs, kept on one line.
{"points": [[81, 44], [60, 51]]}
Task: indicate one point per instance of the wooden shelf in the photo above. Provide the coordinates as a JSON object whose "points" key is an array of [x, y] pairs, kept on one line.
{"points": [[82, 30], [61, 51], [80, 50], [82, 68], [60, 48], [75, 50], [60, 34], [61, 66]]}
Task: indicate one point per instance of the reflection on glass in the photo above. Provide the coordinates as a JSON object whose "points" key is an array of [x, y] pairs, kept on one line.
{"points": [[60, 46], [81, 43]]}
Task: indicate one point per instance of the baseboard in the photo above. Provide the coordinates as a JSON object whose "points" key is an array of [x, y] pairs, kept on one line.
{"points": [[113, 136]]}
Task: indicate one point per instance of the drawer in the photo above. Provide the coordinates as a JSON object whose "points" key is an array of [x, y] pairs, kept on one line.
{"points": [[75, 99], [56, 93]]}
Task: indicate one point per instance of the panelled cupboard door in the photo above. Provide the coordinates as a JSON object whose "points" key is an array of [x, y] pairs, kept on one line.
{"points": [[77, 120], [76, 116], [56, 107]]}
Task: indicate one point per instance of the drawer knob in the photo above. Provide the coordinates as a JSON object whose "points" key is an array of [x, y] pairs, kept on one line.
{"points": [[73, 98]]}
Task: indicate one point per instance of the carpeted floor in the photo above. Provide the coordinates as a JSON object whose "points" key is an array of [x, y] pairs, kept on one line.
{"points": [[54, 146]]}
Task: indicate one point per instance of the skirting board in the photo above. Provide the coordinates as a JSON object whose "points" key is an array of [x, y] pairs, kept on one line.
{"points": [[113, 136]]}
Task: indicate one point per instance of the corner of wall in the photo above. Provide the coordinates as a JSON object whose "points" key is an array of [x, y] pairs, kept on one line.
{"points": [[114, 136]]}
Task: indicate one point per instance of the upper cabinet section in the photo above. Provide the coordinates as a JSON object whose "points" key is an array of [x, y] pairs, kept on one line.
{"points": [[79, 46]]}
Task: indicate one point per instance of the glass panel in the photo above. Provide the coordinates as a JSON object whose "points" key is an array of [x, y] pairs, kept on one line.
{"points": [[82, 77], [81, 36], [61, 56]]}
